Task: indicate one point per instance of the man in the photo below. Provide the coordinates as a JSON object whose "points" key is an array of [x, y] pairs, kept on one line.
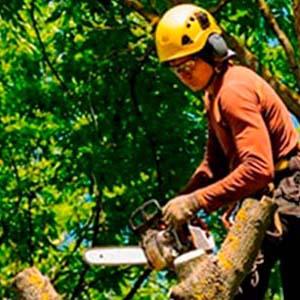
{"points": [[251, 143]]}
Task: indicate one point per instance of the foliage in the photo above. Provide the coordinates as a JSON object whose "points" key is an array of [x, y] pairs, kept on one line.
{"points": [[91, 127]]}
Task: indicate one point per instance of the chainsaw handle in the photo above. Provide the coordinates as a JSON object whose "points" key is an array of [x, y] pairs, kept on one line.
{"points": [[145, 216], [181, 237]]}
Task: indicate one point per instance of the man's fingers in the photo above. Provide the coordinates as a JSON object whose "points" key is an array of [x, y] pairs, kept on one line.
{"points": [[167, 217], [166, 207], [167, 221], [174, 212], [168, 214]]}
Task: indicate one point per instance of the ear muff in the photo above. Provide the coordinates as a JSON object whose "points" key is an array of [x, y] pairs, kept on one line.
{"points": [[218, 45], [216, 51]]}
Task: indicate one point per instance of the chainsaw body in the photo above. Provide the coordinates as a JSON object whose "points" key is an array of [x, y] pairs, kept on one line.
{"points": [[163, 245]]}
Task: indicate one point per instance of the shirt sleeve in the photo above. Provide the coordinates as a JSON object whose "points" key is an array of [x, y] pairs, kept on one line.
{"points": [[240, 109], [212, 167]]}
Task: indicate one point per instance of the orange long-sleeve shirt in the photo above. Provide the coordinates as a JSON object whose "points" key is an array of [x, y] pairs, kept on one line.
{"points": [[250, 129]]}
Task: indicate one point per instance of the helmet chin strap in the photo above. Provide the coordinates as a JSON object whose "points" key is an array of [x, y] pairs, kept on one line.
{"points": [[219, 65], [219, 69]]}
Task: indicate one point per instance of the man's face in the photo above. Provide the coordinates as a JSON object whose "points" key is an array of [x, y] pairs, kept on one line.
{"points": [[195, 73]]}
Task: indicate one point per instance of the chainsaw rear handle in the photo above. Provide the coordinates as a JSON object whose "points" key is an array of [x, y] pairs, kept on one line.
{"points": [[146, 216]]}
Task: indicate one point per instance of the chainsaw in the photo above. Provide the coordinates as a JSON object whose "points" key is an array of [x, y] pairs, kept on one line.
{"points": [[161, 246]]}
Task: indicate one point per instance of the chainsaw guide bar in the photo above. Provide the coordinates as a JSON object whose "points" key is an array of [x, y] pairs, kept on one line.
{"points": [[115, 256]]}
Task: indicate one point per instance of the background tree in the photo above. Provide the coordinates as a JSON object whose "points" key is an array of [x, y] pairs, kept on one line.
{"points": [[92, 126]]}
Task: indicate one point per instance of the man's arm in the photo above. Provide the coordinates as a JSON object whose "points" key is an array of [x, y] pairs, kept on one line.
{"points": [[252, 144], [241, 111]]}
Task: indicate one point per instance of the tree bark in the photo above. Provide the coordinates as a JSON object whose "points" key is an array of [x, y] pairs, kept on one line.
{"points": [[218, 277], [32, 285]]}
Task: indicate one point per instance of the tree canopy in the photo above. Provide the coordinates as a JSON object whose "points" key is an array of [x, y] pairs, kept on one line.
{"points": [[92, 126]]}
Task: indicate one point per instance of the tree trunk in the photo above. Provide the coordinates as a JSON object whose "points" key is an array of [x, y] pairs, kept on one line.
{"points": [[32, 285], [218, 277]]}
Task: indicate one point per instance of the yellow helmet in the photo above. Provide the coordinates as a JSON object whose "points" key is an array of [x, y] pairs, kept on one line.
{"points": [[183, 30]]}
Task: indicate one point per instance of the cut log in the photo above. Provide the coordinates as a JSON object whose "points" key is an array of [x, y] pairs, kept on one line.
{"points": [[32, 285], [218, 277]]}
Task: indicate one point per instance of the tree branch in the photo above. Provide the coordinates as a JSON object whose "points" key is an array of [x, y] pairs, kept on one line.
{"points": [[77, 290], [30, 229], [31, 284], [5, 231], [218, 7], [296, 8], [219, 276], [63, 263], [243, 54], [137, 284], [62, 84], [139, 7], [16, 173], [153, 18], [98, 209], [139, 114], [176, 2], [283, 39]]}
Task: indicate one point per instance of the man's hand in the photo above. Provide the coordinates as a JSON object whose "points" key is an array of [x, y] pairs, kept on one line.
{"points": [[180, 209]]}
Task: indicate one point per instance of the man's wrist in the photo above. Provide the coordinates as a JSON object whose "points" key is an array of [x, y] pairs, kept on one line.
{"points": [[197, 201]]}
